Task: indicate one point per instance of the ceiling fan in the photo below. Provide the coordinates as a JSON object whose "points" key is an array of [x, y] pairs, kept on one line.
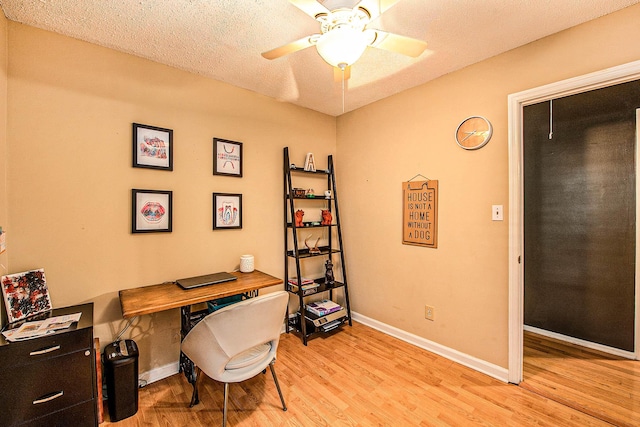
{"points": [[344, 34]]}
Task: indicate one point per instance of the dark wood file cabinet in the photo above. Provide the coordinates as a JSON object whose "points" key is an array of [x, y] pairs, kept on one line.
{"points": [[51, 381]]}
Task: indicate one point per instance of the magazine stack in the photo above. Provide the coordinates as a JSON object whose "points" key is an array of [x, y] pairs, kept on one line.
{"points": [[325, 315], [324, 307]]}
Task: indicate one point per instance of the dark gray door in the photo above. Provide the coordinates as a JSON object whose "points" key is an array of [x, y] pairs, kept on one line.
{"points": [[579, 215]]}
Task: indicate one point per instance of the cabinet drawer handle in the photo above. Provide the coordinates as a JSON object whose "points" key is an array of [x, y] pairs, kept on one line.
{"points": [[44, 351], [48, 398]]}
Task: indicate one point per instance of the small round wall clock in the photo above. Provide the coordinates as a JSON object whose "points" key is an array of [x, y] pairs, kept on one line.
{"points": [[474, 132]]}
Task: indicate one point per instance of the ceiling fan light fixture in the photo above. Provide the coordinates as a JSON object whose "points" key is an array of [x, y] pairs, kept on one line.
{"points": [[342, 46]]}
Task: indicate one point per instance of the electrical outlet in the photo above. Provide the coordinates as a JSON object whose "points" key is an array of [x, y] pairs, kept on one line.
{"points": [[429, 312]]}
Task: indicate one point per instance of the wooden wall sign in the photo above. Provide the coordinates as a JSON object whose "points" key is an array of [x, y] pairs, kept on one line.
{"points": [[420, 213]]}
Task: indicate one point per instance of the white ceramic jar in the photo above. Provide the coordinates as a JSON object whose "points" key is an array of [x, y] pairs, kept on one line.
{"points": [[246, 263]]}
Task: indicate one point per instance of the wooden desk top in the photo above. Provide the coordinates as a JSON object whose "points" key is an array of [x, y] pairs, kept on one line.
{"points": [[154, 298]]}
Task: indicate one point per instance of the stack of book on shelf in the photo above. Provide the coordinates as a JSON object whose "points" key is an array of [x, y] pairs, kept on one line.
{"points": [[308, 285], [326, 315], [324, 307]]}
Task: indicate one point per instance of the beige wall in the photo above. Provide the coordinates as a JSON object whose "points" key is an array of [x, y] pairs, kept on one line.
{"points": [[71, 106], [389, 142]]}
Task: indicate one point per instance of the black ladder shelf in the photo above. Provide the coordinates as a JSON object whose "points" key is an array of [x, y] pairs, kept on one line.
{"points": [[303, 322]]}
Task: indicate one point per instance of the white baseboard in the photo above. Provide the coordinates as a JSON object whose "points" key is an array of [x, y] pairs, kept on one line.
{"points": [[582, 343], [474, 363], [159, 373]]}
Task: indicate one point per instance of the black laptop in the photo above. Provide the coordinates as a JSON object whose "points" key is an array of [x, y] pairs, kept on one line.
{"points": [[207, 279]]}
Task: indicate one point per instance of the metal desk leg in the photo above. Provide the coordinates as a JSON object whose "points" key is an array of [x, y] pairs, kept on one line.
{"points": [[186, 365]]}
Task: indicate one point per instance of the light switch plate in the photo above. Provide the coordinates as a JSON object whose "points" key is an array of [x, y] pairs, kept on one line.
{"points": [[496, 213]]}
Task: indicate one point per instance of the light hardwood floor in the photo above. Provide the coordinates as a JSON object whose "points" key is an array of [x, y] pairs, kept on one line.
{"points": [[357, 377], [596, 383]]}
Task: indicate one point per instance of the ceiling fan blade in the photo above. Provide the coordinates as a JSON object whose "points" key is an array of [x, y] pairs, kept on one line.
{"points": [[310, 7], [337, 73], [376, 7], [397, 43], [288, 48]]}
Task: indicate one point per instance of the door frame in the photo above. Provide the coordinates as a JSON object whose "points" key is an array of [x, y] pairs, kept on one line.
{"points": [[516, 102]]}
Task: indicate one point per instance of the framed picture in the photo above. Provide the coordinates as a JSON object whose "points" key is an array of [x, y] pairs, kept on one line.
{"points": [[227, 211], [152, 147], [151, 211], [227, 157], [25, 294]]}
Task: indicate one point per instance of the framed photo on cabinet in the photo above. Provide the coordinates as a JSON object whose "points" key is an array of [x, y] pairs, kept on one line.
{"points": [[151, 211], [152, 147], [227, 157], [227, 211]]}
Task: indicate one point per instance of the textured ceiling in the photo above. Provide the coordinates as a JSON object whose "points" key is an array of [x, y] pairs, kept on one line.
{"points": [[223, 39]]}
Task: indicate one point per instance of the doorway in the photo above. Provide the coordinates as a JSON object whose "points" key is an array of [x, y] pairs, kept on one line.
{"points": [[579, 215], [517, 103]]}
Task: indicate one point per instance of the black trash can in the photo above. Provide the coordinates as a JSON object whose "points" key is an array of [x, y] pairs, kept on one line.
{"points": [[121, 374]]}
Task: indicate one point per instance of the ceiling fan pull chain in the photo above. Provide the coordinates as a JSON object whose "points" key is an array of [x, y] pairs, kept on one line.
{"points": [[342, 68]]}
